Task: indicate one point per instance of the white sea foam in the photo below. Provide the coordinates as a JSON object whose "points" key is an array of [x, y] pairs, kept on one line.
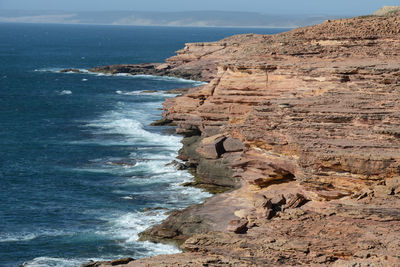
{"points": [[125, 125], [153, 166], [124, 122], [55, 70], [100, 74], [145, 93], [20, 237], [58, 70], [127, 198], [159, 171], [126, 228], [147, 77], [84, 80], [167, 78], [61, 262], [17, 237], [52, 262], [65, 92], [148, 165], [138, 76], [134, 132], [151, 77], [123, 74]]}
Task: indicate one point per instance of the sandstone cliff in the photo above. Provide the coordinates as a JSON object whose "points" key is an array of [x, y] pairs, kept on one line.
{"points": [[305, 125]]}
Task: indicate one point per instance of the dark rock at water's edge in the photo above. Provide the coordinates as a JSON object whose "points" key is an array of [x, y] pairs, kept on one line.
{"points": [[156, 69], [177, 91], [214, 214], [211, 175], [134, 69], [212, 171], [163, 122], [71, 70], [178, 165], [210, 188], [116, 262], [178, 227]]}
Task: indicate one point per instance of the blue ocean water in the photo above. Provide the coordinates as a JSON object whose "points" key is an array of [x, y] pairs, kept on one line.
{"points": [[79, 163]]}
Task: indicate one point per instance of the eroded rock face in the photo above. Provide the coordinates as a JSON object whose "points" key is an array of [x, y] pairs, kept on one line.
{"points": [[317, 104], [309, 123]]}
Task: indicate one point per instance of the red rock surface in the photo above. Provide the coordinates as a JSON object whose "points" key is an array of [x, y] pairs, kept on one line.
{"points": [[309, 121]]}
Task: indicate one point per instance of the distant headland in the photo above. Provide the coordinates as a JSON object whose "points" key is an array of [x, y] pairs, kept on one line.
{"points": [[177, 19]]}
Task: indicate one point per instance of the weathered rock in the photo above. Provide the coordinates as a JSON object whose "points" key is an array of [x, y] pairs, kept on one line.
{"points": [[212, 147], [238, 226], [260, 201], [215, 172], [381, 191], [233, 145], [213, 215], [264, 213], [295, 201], [393, 185], [278, 200]]}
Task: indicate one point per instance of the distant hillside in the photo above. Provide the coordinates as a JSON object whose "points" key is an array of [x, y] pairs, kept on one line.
{"points": [[192, 18], [386, 10]]}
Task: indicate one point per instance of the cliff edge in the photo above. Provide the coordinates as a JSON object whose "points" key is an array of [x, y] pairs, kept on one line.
{"points": [[305, 127]]}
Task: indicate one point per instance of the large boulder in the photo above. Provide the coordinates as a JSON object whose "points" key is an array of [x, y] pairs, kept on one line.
{"points": [[233, 145]]}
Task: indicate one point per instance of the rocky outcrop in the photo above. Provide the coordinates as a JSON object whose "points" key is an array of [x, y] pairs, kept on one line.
{"points": [[188, 64], [157, 69], [305, 126]]}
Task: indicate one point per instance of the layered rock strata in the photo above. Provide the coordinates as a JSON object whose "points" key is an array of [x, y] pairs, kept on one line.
{"points": [[305, 125]]}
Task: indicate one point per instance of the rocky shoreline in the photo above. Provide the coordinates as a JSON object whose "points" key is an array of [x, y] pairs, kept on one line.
{"points": [[302, 129]]}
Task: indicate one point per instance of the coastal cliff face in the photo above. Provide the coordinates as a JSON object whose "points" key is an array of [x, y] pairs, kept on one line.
{"points": [[317, 105], [305, 125]]}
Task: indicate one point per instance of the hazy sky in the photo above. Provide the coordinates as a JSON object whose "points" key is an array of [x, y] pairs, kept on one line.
{"points": [[352, 7]]}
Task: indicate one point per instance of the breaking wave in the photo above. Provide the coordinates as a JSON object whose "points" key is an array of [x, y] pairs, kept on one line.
{"points": [[138, 76]]}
